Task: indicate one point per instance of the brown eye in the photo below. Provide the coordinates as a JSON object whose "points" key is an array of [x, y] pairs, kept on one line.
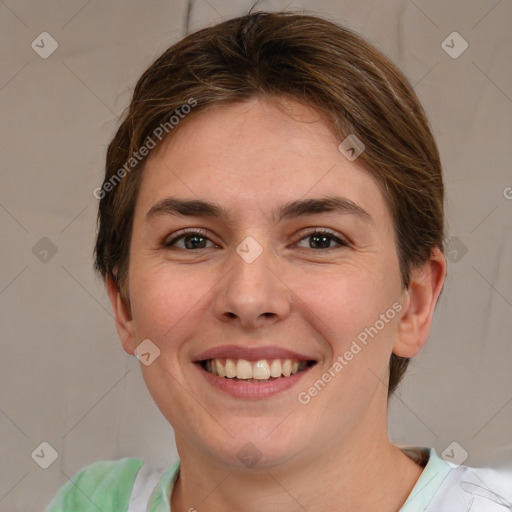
{"points": [[192, 239], [322, 238]]}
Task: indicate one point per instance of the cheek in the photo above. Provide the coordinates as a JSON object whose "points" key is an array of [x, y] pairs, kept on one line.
{"points": [[163, 303], [344, 302]]}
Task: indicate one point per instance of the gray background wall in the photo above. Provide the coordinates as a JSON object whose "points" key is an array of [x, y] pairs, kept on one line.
{"points": [[65, 379]]}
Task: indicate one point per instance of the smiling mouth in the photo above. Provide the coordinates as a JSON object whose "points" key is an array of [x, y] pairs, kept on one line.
{"points": [[262, 370]]}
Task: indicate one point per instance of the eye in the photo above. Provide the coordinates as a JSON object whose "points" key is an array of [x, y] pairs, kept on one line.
{"points": [[320, 238], [192, 239]]}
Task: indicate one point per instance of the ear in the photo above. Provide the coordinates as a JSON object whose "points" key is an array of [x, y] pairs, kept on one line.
{"points": [[419, 301], [123, 316]]}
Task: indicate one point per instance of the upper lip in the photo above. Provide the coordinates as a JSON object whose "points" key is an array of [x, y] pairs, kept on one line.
{"points": [[251, 354]]}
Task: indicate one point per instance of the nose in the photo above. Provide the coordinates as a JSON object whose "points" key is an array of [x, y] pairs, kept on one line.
{"points": [[252, 293]]}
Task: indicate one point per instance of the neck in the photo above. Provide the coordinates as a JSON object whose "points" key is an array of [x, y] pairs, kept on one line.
{"points": [[364, 473]]}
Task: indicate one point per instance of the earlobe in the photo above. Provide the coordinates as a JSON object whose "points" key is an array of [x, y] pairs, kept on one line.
{"points": [[419, 302], [123, 316]]}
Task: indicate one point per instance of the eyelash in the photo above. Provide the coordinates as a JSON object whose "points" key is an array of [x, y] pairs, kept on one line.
{"points": [[204, 234]]}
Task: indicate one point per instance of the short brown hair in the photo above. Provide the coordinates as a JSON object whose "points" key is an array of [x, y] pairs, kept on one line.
{"points": [[312, 60]]}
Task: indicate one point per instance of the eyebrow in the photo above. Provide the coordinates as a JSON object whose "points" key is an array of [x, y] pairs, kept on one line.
{"points": [[289, 210]]}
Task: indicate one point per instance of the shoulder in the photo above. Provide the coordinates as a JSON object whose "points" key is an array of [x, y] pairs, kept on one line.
{"points": [[104, 485], [445, 486], [482, 489]]}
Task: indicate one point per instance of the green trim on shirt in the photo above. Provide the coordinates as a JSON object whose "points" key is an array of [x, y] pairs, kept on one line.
{"points": [[103, 486], [428, 483], [160, 500]]}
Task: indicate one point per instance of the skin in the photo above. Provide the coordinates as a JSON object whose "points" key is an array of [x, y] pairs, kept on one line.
{"points": [[334, 452]]}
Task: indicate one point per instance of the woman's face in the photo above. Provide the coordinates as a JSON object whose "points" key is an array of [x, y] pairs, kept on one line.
{"points": [[256, 284]]}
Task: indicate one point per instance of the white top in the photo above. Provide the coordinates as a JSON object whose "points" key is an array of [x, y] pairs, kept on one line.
{"points": [[442, 487]]}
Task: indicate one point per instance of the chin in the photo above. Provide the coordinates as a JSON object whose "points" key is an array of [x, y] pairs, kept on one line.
{"points": [[253, 443]]}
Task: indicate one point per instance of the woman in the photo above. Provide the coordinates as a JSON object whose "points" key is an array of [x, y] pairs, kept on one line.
{"points": [[271, 236]]}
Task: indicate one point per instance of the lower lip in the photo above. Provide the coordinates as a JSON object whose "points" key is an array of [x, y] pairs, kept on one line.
{"points": [[253, 390]]}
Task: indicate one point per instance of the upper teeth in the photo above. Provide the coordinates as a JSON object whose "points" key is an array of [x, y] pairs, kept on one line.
{"points": [[260, 370]]}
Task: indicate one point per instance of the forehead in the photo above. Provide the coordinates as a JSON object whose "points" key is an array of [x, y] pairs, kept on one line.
{"points": [[254, 155]]}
